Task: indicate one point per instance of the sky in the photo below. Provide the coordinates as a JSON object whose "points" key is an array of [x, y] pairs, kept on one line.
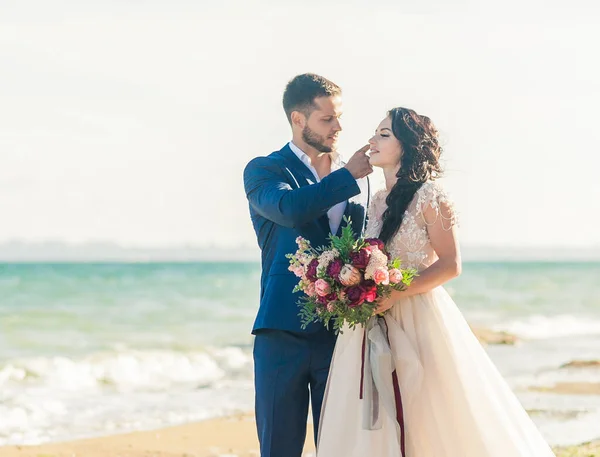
{"points": [[131, 122]]}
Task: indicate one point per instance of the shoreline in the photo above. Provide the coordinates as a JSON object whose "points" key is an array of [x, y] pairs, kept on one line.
{"points": [[232, 436]]}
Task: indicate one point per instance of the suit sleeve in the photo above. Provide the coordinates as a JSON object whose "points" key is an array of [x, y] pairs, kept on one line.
{"points": [[273, 198]]}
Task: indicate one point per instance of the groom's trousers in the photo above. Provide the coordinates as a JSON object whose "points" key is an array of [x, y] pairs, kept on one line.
{"points": [[286, 365]]}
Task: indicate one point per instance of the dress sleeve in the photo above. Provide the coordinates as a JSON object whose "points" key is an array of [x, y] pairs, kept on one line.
{"points": [[433, 204]]}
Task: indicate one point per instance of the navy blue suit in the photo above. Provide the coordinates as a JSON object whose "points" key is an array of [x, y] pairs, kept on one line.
{"points": [[286, 202]]}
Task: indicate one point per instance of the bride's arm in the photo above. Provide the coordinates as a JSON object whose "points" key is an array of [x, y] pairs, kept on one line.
{"points": [[444, 240]]}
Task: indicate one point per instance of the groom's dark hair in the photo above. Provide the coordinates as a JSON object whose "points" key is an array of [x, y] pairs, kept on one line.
{"points": [[300, 93]]}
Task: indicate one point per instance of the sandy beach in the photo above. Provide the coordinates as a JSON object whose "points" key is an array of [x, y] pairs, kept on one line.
{"points": [[225, 437]]}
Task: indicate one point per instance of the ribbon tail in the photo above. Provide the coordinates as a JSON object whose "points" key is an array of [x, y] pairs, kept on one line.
{"points": [[399, 412], [369, 391], [362, 364], [397, 398]]}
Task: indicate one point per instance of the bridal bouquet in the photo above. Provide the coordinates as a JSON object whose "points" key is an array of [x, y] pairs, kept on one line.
{"points": [[343, 281]]}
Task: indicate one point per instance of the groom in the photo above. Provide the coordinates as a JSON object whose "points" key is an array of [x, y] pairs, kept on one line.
{"points": [[301, 190]]}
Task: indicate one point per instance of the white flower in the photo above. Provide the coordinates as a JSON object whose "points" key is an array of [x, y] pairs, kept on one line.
{"points": [[377, 260], [305, 259], [303, 244], [326, 258], [350, 276]]}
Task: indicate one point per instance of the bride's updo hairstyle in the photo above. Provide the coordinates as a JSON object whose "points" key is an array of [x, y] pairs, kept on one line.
{"points": [[419, 163]]}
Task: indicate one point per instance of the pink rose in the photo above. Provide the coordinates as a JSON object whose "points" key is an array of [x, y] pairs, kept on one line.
{"points": [[360, 259], [334, 268], [330, 307], [310, 290], [350, 276], [395, 276], [322, 288], [311, 270], [381, 276]]}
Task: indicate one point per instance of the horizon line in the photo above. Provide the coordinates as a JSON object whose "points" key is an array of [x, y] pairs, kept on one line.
{"points": [[192, 245]]}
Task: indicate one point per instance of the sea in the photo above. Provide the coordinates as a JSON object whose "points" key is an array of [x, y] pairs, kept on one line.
{"points": [[92, 349]]}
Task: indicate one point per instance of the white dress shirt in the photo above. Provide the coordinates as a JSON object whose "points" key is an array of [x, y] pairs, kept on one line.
{"points": [[335, 213]]}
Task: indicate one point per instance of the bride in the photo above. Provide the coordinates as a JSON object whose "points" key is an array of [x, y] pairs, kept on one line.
{"points": [[429, 390]]}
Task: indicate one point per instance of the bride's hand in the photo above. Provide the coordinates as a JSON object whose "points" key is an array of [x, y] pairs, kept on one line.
{"points": [[383, 305]]}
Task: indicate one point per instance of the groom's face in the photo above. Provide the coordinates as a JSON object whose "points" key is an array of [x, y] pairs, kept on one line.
{"points": [[322, 127]]}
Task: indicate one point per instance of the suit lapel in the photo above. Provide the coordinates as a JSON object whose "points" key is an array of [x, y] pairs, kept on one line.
{"points": [[352, 213], [298, 168], [356, 208], [347, 213], [324, 223]]}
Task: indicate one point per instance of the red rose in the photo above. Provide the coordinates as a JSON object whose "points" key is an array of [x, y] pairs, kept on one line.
{"points": [[370, 291], [368, 283], [360, 259], [334, 268], [376, 242], [311, 271], [356, 296]]}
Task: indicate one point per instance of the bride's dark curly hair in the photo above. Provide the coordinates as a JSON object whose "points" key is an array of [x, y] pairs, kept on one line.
{"points": [[419, 163]]}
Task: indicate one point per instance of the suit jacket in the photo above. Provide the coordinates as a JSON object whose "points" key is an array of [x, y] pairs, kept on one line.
{"points": [[285, 202]]}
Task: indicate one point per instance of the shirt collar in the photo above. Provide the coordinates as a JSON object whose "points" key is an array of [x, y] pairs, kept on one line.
{"points": [[335, 156], [299, 153]]}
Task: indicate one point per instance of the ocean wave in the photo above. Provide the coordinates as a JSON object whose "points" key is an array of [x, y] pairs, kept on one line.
{"points": [[127, 370], [52, 398], [537, 327], [35, 416]]}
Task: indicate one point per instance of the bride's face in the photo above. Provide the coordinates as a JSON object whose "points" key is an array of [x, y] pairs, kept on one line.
{"points": [[385, 150]]}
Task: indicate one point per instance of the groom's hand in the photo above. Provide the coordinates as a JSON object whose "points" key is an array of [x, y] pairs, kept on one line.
{"points": [[359, 165]]}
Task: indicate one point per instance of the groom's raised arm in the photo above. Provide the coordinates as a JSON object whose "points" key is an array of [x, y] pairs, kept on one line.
{"points": [[273, 198]]}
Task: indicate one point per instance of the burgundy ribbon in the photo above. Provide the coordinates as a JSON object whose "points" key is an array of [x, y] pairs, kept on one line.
{"points": [[362, 364]]}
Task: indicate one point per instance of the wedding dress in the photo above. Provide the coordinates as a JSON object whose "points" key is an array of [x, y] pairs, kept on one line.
{"points": [[452, 401]]}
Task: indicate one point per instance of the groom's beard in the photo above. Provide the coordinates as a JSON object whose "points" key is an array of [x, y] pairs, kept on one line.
{"points": [[314, 140]]}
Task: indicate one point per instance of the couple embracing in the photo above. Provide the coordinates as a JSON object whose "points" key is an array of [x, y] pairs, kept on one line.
{"points": [[454, 402]]}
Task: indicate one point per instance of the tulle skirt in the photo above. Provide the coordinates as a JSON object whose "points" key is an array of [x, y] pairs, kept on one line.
{"points": [[454, 401]]}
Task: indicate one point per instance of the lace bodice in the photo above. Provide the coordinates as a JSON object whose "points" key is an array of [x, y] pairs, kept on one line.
{"points": [[411, 243]]}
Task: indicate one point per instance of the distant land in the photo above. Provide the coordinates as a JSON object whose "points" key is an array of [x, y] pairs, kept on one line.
{"points": [[57, 251]]}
